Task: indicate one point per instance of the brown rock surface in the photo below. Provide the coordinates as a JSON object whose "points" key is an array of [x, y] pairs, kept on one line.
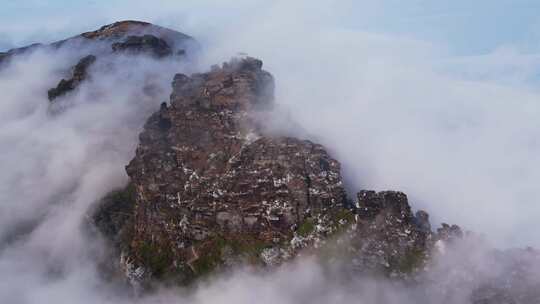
{"points": [[207, 178], [79, 74]]}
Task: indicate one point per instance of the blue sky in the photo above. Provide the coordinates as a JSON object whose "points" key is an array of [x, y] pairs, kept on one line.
{"points": [[465, 27], [468, 27]]}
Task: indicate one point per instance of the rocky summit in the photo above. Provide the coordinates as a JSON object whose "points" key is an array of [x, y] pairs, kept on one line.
{"points": [[212, 188], [209, 188]]}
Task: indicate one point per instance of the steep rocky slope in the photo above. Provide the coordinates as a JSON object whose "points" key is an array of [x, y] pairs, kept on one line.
{"points": [[208, 181]]}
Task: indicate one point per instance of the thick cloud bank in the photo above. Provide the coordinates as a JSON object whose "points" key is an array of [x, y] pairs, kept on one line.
{"points": [[459, 135]]}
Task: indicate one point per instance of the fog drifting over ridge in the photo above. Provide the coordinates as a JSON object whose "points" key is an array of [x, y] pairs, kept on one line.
{"points": [[459, 135]]}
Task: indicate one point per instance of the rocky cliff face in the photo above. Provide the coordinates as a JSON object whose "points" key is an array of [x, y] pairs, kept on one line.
{"points": [[212, 190], [209, 182]]}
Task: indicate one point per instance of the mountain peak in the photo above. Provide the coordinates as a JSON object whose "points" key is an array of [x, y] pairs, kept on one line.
{"points": [[116, 28], [128, 34]]}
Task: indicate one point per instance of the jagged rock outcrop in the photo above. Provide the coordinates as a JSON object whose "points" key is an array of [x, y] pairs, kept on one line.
{"points": [[210, 184], [211, 189], [79, 74]]}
